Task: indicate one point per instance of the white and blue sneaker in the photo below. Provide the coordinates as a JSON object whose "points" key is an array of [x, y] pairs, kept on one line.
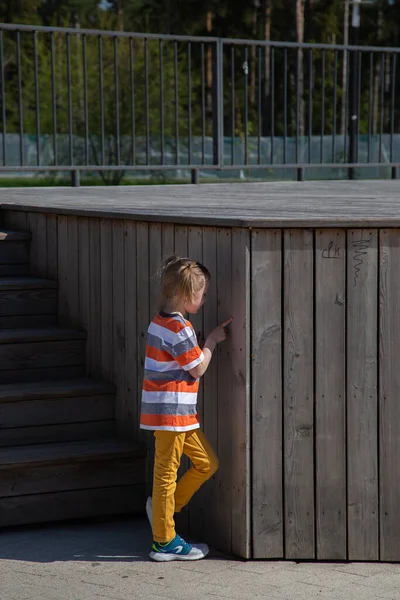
{"points": [[177, 549]]}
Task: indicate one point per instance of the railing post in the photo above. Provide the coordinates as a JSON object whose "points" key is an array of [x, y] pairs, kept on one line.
{"points": [[75, 178], [217, 103], [353, 81], [194, 176]]}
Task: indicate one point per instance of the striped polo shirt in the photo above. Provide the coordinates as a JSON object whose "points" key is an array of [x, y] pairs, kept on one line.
{"points": [[169, 396]]}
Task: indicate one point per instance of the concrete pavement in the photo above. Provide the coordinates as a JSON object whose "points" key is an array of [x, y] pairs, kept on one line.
{"points": [[109, 561]]}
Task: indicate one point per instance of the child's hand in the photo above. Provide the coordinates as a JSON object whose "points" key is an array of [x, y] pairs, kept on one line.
{"points": [[219, 333]]}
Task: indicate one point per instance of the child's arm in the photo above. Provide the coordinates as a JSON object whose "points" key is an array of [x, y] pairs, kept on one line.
{"points": [[216, 336]]}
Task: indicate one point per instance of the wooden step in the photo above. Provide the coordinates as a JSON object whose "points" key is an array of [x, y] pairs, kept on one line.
{"points": [[41, 354], [28, 321], [14, 247], [55, 411], [47, 482], [22, 269], [21, 296]]}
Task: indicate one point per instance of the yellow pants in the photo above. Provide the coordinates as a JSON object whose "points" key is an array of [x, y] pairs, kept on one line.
{"points": [[168, 495]]}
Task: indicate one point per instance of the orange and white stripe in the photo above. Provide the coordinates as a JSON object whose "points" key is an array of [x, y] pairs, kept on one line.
{"points": [[169, 396]]}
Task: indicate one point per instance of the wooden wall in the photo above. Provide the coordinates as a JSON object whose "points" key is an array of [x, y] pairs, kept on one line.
{"points": [[301, 404], [106, 270], [325, 417]]}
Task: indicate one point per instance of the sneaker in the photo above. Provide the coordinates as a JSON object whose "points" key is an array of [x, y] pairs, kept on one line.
{"points": [[177, 549], [149, 510]]}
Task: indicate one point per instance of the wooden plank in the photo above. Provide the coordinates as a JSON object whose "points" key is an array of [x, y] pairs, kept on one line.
{"points": [[389, 407], [208, 517], [197, 505], [223, 506], [106, 286], [52, 247], [118, 321], [73, 272], [62, 249], [167, 240], [20, 336], [14, 253], [155, 257], [362, 401], [41, 508], [52, 390], [24, 321], [94, 331], [240, 401], [41, 374], [15, 219], [181, 250], [195, 252], [132, 397], [181, 241], [32, 355], [28, 302], [44, 434], [61, 453], [32, 224], [40, 267], [269, 204], [22, 269], [330, 359], [59, 478], [52, 411], [143, 302], [266, 418], [84, 279], [298, 392]]}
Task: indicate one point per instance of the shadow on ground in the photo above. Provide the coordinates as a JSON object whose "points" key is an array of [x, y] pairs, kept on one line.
{"points": [[122, 540]]}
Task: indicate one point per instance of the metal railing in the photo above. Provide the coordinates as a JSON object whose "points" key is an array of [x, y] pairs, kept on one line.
{"points": [[105, 102]]}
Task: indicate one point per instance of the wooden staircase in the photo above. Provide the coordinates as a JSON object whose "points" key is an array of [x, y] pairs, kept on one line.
{"points": [[59, 456]]}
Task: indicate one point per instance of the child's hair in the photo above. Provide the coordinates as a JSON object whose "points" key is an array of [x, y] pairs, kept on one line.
{"points": [[181, 278]]}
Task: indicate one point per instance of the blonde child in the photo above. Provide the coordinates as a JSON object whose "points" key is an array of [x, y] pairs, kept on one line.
{"points": [[173, 366]]}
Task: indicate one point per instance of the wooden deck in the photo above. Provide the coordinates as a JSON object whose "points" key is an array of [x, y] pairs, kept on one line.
{"points": [[278, 204], [301, 402]]}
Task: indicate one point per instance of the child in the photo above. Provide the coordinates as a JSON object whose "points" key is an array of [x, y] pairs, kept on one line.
{"points": [[174, 363]]}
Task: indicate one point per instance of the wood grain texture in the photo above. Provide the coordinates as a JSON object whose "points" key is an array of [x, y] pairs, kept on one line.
{"points": [[272, 204], [84, 279], [62, 249], [330, 356], [210, 387], [197, 507], [223, 507], [132, 397], [40, 243], [52, 247], [298, 412], [106, 287], [181, 250], [142, 308], [167, 240], [389, 407], [240, 399], [266, 403], [37, 508], [94, 332], [118, 321], [362, 401]]}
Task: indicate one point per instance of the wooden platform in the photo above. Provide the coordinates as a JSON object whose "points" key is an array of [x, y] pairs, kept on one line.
{"points": [[301, 402], [278, 204]]}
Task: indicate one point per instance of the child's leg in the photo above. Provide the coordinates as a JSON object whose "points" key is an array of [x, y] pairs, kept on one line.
{"points": [[204, 465], [168, 452]]}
